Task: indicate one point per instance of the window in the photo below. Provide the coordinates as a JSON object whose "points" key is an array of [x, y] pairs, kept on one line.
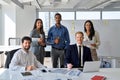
{"points": [[45, 18], [52, 18], [49, 19], [67, 15], [1, 26], [87, 15], [111, 14]]}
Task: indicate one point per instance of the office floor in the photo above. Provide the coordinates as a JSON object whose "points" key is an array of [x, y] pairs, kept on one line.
{"points": [[47, 62]]}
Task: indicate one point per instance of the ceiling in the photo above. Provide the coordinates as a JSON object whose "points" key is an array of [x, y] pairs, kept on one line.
{"points": [[72, 5]]}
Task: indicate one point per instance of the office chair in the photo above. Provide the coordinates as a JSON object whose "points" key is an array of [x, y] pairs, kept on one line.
{"points": [[1, 52], [9, 54]]}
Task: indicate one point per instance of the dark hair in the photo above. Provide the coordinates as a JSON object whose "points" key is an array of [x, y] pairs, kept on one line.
{"points": [[41, 29], [58, 15], [92, 31], [26, 38]]}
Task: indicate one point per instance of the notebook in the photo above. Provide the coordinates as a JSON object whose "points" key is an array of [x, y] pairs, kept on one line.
{"points": [[98, 77], [91, 66]]}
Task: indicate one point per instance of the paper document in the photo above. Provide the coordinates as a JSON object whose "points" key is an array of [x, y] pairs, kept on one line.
{"points": [[63, 71], [35, 39], [32, 78], [72, 72], [88, 42]]}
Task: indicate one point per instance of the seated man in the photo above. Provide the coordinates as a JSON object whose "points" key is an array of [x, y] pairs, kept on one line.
{"points": [[77, 54], [23, 59]]}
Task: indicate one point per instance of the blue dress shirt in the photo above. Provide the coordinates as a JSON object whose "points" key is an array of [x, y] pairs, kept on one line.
{"points": [[62, 33]]}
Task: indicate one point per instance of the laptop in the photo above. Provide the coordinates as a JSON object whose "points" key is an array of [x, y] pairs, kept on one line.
{"points": [[91, 66]]}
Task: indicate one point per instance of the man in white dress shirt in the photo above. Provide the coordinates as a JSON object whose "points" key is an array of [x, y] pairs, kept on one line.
{"points": [[23, 59]]}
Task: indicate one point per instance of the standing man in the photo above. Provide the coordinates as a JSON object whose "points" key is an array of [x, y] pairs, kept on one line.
{"points": [[77, 54], [58, 37]]}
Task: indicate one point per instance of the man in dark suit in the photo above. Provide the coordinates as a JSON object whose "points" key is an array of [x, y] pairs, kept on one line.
{"points": [[77, 54]]}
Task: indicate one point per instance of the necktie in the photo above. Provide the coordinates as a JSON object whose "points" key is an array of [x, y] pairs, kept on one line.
{"points": [[80, 56]]}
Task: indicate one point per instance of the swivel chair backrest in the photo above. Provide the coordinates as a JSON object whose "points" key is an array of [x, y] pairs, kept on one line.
{"points": [[10, 54]]}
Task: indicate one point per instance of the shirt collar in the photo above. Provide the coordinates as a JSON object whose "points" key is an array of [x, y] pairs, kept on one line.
{"points": [[79, 44], [24, 51], [57, 27]]}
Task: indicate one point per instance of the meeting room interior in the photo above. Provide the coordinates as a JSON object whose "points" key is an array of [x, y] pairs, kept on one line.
{"points": [[51, 31]]}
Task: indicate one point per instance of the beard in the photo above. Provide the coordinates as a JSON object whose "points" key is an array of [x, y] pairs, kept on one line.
{"points": [[26, 48]]}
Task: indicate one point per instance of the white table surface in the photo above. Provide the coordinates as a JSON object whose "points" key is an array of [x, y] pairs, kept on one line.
{"points": [[109, 73]]}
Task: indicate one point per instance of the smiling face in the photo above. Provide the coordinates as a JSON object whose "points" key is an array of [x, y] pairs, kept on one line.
{"points": [[26, 44], [39, 24], [57, 18], [88, 26], [79, 37]]}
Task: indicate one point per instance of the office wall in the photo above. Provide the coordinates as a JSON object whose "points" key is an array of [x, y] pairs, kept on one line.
{"points": [[8, 28], [109, 31], [0, 25], [15, 21], [25, 20]]}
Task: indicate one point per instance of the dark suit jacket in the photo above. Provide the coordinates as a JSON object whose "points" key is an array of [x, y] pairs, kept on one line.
{"points": [[72, 55]]}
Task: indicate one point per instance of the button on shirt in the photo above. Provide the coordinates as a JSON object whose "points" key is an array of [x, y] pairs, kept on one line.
{"points": [[60, 32], [21, 59], [81, 53]]}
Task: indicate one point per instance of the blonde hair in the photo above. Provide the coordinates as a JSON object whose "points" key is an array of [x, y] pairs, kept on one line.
{"points": [[79, 32]]}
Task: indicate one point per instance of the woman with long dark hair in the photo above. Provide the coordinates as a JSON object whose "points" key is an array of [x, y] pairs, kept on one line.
{"points": [[92, 38], [38, 40]]}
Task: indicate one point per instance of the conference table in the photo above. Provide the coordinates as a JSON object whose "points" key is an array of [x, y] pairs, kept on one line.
{"points": [[109, 73]]}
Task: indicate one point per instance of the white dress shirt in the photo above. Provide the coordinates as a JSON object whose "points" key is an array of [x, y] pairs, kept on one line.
{"points": [[21, 59]]}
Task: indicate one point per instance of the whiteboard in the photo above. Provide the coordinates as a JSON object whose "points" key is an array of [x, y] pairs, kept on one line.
{"points": [[109, 31]]}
